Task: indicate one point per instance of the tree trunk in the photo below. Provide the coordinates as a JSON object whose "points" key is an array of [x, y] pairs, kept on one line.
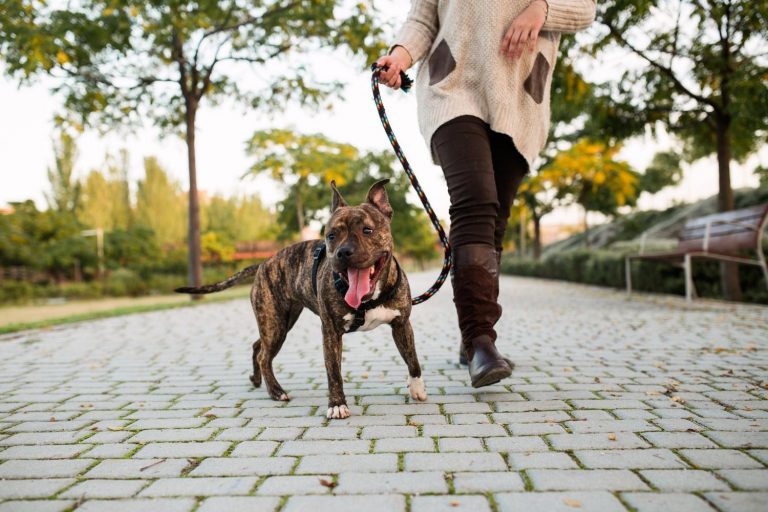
{"points": [[195, 266], [729, 272], [536, 237], [300, 213], [586, 229], [522, 233]]}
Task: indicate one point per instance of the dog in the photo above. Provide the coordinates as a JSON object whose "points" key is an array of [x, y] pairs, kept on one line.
{"points": [[351, 279]]}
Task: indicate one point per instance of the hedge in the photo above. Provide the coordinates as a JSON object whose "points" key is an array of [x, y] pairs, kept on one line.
{"points": [[606, 268]]}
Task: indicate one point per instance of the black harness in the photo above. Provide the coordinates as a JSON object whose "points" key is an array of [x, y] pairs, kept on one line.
{"points": [[342, 286]]}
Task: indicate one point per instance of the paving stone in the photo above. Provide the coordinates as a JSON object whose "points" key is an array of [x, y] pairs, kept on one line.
{"points": [[598, 501], [323, 447], [460, 444], [652, 502], [597, 479], [649, 458], [179, 450], [36, 506], [55, 451], [485, 482], [738, 501], [683, 480], [516, 444], [587, 427], [454, 462], [678, 440], [42, 438], [241, 434], [739, 439], [449, 503], [104, 489], [369, 503], [139, 505], [138, 468], [463, 430], [543, 460], [376, 463], [37, 488], [251, 504], [43, 468], [173, 435], [330, 433], [380, 431], [380, 483], [746, 479], [294, 485], [720, 459], [225, 486], [607, 441], [404, 445]]}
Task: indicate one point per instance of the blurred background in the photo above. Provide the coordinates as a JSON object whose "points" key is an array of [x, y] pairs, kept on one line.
{"points": [[149, 144]]}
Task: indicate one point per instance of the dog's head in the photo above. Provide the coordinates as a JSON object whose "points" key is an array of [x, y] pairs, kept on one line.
{"points": [[359, 241]]}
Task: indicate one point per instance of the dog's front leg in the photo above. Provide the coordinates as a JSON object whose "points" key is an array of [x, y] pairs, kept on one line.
{"points": [[403, 336], [337, 402]]}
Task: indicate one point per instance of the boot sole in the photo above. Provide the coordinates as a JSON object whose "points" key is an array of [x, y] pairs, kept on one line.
{"points": [[492, 376]]}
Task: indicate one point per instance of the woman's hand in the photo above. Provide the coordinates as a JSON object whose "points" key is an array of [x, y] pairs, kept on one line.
{"points": [[397, 61], [524, 30]]}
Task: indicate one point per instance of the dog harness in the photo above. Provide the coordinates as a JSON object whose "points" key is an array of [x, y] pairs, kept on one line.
{"points": [[342, 286]]}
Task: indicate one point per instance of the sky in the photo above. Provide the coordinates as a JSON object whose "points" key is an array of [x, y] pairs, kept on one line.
{"points": [[26, 131]]}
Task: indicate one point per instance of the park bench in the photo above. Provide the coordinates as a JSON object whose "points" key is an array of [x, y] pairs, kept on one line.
{"points": [[720, 236]]}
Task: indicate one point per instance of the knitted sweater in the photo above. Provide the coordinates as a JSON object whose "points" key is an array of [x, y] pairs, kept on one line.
{"points": [[465, 74]]}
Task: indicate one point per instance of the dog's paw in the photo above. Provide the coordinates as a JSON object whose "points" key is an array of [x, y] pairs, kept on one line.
{"points": [[283, 397], [338, 412], [416, 388]]}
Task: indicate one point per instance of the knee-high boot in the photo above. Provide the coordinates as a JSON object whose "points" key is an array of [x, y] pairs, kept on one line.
{"points": [[475, 291]]}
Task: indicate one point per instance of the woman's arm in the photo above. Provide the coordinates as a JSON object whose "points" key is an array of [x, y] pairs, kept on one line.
{"points": [[569, 15], [420, 28]]}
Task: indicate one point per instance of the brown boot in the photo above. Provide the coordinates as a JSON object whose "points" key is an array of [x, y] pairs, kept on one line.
{"points": [[462, 351], [475, 274]]}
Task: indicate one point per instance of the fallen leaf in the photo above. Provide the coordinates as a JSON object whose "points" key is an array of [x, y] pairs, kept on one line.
{"points": [[53, 418], [455, 503], [597, 380], [677, 399], [328, 483], [572, 503], [210, 415], [115, 429], [364, 376], [611, 437]]}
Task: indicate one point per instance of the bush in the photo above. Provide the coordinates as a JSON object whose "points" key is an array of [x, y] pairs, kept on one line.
{"points": [[606, 268]]}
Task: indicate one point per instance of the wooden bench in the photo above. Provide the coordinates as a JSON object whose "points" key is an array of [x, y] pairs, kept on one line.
{"points": [[720, 236]]}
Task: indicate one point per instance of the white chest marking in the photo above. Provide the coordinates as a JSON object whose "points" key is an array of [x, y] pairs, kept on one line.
{"points": [[373, 318]]}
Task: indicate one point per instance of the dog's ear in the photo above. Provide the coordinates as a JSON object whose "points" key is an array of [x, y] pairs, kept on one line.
{"points": [[377, 196], [337, 201]]}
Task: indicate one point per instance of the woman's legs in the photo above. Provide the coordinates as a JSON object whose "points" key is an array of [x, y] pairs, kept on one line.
{"points": [[510, 169], [463, 146]]}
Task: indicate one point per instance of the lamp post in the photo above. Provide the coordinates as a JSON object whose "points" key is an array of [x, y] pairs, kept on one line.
{"points": [[99, 234]]}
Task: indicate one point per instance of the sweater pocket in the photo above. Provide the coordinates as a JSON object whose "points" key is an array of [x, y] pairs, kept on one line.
{"points": [[441, 63], [537, 79]]}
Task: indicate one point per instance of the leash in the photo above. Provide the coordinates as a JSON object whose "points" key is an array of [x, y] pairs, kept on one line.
{"points": [[406, 83]]}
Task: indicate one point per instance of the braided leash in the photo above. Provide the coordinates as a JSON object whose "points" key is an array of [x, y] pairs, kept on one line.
{"points": [[405, 86]]}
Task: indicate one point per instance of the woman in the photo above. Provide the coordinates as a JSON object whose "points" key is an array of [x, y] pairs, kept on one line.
{"points": [[483, 108]]}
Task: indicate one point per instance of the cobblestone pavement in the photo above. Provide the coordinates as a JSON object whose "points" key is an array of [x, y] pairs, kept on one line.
{"points": [[641, 404]]}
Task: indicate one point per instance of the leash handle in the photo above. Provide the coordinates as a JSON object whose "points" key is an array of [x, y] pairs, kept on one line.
{"points": [[406, 83]]}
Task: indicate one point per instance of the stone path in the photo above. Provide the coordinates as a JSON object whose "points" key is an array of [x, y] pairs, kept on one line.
{"points": [[616, 404]]}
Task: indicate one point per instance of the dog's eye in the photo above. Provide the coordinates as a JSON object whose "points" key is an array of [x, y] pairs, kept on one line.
{"points": [[367, 231], [331, 237]]}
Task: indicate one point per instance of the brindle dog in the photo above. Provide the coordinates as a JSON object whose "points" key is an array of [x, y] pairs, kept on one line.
{"points": [[357, 271]]}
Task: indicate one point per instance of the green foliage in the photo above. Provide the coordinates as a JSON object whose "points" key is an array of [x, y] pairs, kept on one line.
{"points": [[135, 248], [762, 174], [65, 189], [703, 70], [307, 164], [106, 199], [160, 205], [606, 268], [664, 171]]}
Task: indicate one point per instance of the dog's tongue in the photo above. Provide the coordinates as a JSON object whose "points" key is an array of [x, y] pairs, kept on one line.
{"points": [[359, 286]]}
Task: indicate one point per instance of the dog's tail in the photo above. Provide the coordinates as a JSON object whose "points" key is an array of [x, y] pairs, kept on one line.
{"points": [[223, 285]]}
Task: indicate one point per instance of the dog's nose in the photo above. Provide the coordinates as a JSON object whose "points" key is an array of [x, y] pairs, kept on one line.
{"points": [[344, 252]]}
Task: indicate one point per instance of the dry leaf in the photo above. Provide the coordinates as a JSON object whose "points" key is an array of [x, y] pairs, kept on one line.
{"points": [[115, 429], [597, 380], [677, 399], [612, 437], [572, 502], [455, 503], [53, 418], [209, 415], [365, 375], [328, 483]]}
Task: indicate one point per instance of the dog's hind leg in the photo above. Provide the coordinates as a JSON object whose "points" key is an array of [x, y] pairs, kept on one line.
{"points": [[256, 376], [403, 336], [273, 328]]}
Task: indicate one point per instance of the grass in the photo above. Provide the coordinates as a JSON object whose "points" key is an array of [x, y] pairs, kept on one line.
{"points": [[237, 293]]}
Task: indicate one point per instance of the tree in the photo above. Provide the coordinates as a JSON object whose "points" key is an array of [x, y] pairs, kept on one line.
{"points": [[702, 77], [589, 174], [160, 205], [65, 189], [105, 200], [120, 61], [308, 163]]}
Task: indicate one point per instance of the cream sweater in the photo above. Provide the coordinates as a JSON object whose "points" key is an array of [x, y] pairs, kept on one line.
{"points": [[465, 75]]}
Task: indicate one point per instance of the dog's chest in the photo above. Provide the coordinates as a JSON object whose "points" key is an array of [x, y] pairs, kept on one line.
{"points": [[373, 318]]}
